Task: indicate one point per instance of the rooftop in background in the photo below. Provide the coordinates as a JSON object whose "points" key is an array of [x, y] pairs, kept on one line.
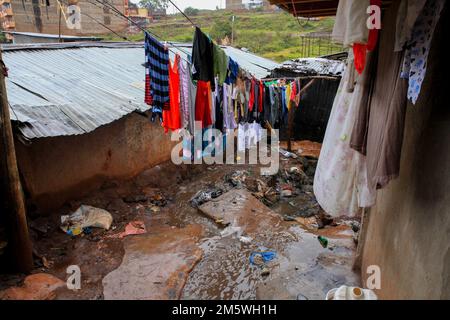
{"points": [[312, 8], [310, 67], [61, 89], [32, 37]]}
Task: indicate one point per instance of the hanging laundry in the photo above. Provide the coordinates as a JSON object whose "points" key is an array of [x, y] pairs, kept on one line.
{"points": [[261, 97], [351, 22], [406, 19], [416, 55], [233, 71], [202, 104], [157, 59], [251, 101], [172, 116], [288, 96], [297, 93], [360, 49], [188, 92], [219, 125], [148, 94], [221, 62], [340, 182], [203, 58], [387, 109], [228, 110]]}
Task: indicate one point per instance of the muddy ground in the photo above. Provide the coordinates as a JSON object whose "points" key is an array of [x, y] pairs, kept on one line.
{"points": [[186, 253]]}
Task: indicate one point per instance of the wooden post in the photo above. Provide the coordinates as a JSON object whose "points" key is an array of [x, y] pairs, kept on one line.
{"points": [[19, 243]]}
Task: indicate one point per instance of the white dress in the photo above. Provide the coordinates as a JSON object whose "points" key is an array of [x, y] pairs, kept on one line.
{"points": [[340, 183]]}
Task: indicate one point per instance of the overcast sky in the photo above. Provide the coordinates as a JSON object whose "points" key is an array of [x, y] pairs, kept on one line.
{"points": [[200, 4]]}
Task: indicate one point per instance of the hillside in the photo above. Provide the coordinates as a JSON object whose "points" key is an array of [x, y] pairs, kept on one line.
{"points": [[274, 35]]}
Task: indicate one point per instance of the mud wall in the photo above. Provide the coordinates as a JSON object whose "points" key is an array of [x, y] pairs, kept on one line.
{"points": [[409, 228], [36, 16], [55, 170]]}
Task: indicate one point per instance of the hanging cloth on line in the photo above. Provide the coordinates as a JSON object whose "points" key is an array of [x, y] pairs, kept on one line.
{"points": [[172, 117], [360, 49], [157, 62], [417, 49], [203, 58]]}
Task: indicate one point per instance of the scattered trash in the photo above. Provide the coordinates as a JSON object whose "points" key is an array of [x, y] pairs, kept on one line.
{"points": [[237, 178], [84, 217], [230, 231], [355, 226], [246, 240], [135, 198], [286, 191], [323, 241], [308, 223], [155, 209], [204, 196], [288, 154], [350, 293], [265, 272], [158, 200], [260, 258], [131, 229]]}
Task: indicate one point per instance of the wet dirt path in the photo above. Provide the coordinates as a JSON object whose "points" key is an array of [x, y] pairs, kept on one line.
{"points": [[185, 254]]}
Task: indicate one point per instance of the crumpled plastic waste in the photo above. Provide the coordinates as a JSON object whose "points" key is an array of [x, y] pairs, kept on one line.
{"points": [[204, 196], [84, 218], [260, 258], [237, 178], [288, 154]]}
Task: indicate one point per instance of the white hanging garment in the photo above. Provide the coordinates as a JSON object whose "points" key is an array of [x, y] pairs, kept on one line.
{"points": [[340, 183]]}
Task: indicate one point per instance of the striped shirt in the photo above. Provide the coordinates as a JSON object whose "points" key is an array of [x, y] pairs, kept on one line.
{"points": [[157, 61]]}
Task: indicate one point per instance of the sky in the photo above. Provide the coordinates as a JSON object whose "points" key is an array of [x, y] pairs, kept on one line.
{"points": [[200, 4]]}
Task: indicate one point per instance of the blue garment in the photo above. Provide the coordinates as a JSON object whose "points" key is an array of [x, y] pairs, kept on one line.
{"points": [[266, 256], [157, 61], [233, 71], [418, 48], [284, 104]]}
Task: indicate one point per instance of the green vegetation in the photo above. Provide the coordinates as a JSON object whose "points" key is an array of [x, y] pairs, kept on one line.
{"points": [[274, 35]]}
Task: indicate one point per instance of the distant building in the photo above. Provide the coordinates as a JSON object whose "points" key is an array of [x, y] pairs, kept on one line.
{"points": [[32, 37], [79, 17], [247, 4]]}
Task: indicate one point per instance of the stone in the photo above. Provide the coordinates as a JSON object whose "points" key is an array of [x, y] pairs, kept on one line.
{"points": [[39, 286]]}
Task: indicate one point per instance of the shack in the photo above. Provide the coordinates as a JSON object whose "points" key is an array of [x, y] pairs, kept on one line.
{"points": [[79, 115], [311, 117]]}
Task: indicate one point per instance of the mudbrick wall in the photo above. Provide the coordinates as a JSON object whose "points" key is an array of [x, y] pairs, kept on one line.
{"points": [[36, 16], [408, 234], [55, 170]]}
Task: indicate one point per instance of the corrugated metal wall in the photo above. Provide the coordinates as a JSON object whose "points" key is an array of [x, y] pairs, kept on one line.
{"points": [[313, 113]]}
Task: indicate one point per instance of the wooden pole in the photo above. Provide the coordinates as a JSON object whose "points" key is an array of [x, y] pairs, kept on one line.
{"points": [[59, 24], [19, 243]]}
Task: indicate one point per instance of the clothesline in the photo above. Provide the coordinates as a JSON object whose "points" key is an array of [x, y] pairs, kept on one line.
{"points": [[302, 78]]}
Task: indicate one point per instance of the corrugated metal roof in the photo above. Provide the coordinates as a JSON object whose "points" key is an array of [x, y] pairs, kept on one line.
{"points": [[52, 36], [70, 89], [312, 67]]}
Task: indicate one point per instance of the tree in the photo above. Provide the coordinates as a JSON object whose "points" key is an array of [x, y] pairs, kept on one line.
{"points": [[189, 11], [154, 4], [220, 30]]}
